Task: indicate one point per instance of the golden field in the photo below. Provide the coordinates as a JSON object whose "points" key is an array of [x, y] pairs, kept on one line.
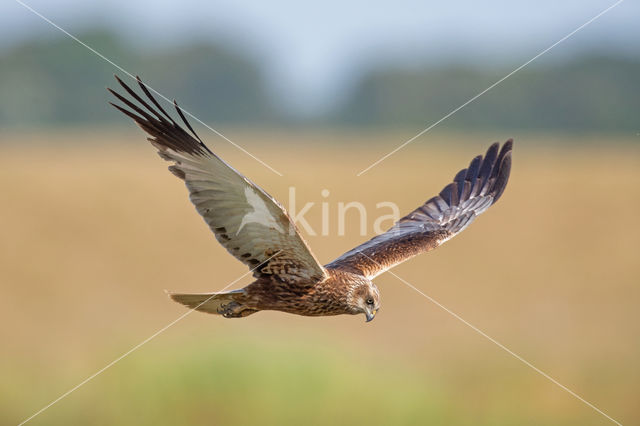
{"points": [[94, 229]]}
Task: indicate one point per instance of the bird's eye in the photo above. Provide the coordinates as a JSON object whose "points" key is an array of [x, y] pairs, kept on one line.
{"points": [[369, 301]]}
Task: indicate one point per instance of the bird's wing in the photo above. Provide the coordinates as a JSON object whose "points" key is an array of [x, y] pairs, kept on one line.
{"points": [[472, 191], [248, 222]]}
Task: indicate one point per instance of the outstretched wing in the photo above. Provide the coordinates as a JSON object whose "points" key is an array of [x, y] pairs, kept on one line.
{"points": [[248, 222], [472, 191]]}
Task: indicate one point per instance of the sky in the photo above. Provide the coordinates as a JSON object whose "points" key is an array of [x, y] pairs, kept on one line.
{"points": [[311, 50]]}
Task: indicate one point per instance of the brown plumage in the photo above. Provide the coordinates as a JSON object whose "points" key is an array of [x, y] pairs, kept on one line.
{"points": [[257, 230]]}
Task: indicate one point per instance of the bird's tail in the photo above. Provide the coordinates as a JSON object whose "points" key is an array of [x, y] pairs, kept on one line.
{"points": [[226, 304]]}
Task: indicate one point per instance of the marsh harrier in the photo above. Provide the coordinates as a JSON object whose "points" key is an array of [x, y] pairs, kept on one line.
{"points": [[257, 230]]}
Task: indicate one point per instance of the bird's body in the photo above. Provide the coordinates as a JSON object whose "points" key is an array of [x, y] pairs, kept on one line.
{"points": [[322, 298], [331, 296], [257, 230]]}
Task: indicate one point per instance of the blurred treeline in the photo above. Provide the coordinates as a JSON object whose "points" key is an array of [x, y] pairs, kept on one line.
{"points": [[46, 82]]}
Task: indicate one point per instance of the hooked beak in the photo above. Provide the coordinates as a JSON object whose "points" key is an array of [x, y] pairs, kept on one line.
{"points": [[371, 315]]}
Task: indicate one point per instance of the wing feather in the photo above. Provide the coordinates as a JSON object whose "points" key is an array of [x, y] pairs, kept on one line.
{"points": [[472, 192], [246, 220]]}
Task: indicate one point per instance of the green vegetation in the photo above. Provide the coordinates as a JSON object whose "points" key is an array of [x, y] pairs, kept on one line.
{"points": [[594, 93], [57, 82], [225, 381], [266, 383]]}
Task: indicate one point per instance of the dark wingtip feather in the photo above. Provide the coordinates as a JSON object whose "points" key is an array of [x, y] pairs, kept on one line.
{"points": [[142, 102], [186, 123], [474, 168], [165, 131], [503, 170], [118, 80], [460, 180], [447, 193], [153, 100], [486, 168], [134, 117], [492, 150]]}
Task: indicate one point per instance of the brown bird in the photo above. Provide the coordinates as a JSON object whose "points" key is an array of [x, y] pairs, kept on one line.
{"points": [[257, 230]]}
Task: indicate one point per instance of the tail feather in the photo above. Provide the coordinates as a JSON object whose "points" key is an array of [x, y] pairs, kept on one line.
{"points": [[212, 303]]}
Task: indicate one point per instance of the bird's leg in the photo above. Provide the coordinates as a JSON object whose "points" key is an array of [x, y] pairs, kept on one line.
{"points": [[235, 310]]}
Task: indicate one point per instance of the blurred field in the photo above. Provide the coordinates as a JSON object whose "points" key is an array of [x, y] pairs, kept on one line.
{"points": [[93, 232]]}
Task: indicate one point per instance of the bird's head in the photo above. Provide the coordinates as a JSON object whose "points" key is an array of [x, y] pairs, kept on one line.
{"points": [[365, 298]]}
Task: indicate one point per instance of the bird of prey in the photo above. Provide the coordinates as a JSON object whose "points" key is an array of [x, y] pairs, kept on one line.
{"points": [[257, 230]]}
